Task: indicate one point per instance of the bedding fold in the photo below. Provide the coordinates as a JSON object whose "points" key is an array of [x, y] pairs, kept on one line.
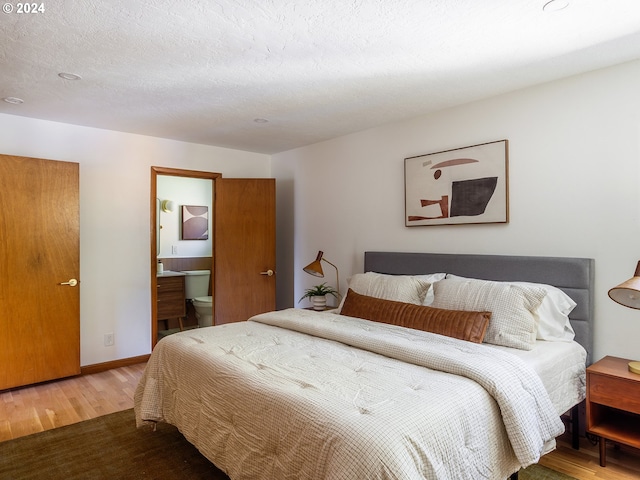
{"points": [[529, 416]]}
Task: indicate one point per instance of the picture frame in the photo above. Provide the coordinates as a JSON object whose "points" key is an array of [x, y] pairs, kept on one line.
{"points": [[195, 222], [467, 185]]}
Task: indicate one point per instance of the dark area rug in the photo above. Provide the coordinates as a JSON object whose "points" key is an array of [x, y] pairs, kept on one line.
{"points": [[107, 447], [110, 447]]}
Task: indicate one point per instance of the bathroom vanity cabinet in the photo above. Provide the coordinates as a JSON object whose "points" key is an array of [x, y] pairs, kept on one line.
{"points": [[171, 297]]}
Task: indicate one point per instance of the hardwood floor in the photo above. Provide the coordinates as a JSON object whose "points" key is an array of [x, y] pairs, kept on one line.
{"points": [[623, 463], [54, 404]]}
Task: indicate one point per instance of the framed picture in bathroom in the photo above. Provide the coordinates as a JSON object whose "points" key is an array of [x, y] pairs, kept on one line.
{"points": [[195, 222]]}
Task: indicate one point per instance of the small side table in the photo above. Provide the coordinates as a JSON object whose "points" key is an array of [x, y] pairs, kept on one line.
{"points": [[613, 403]]}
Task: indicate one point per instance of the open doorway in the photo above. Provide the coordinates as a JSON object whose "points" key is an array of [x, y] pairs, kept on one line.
{"points": [[174, 254]]}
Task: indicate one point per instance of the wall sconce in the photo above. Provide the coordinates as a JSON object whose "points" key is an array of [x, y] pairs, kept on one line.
{"points": [[315, 268], [628, 294], [168, 206]]}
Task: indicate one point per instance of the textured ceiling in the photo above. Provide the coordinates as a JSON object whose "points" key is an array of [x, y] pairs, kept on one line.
{"points": [[203, 71]]}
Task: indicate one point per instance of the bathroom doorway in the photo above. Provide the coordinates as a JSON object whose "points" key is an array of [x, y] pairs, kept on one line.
{"points": [[242, 261], [165, 216]]}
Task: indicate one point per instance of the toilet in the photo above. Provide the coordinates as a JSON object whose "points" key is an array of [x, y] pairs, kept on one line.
{"points": [[196, 283]]}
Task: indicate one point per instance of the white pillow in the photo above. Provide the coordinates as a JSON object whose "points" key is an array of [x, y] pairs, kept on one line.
{"points": [[552, 316], [431, 278], [401, 288], [512, 321]]}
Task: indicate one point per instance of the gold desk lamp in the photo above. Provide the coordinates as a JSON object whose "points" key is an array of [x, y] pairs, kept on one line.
{"points": [[315, 268], [628, 294]]}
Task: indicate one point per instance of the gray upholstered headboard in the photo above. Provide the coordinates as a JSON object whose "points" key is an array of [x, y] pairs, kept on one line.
{"points": [[572, 275]]}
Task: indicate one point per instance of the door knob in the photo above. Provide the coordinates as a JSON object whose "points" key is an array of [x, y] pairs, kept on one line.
{"points": [[268, 273], [72, 283]]}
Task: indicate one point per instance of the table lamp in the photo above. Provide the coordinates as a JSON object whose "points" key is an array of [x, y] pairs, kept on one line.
{"points": [[315, 268], [628, 294]]}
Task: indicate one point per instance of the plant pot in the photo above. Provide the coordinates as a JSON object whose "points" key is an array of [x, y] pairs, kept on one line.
{"points": [[319, 302]]}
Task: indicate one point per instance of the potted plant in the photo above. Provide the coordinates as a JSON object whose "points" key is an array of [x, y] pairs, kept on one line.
{"points": [[318, 295]]}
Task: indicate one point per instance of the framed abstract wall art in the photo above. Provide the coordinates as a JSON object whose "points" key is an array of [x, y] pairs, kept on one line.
{"points": [[458, 186], [195, 222]]}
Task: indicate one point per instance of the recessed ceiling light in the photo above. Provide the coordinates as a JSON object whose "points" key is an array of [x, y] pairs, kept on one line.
{"points": [[13, 100], [555, 5], [69, 76], [261, 120]]}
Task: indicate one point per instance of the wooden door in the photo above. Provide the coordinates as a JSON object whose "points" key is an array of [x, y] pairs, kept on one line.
{"points": [[39, 250], [244, 248]]}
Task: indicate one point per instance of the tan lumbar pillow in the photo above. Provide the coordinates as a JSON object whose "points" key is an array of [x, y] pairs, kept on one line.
{"points": [[463, 325]]}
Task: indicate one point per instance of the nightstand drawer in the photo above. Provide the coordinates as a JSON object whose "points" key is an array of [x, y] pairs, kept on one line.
{"points": [[615, 392]]}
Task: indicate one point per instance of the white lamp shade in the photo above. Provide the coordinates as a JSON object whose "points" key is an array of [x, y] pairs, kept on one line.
{"points": [[168, 206], [628, 293]]}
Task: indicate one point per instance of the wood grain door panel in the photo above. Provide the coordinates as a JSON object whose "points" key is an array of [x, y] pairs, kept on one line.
{"points": [[245, 246], [39, 250]]}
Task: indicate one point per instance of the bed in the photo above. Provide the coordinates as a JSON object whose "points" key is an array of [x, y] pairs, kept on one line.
{"points": [[358, 394]]}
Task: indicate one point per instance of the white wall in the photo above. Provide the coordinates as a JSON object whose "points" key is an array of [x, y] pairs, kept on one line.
{"points": [[182, 191], [574, 181], [115, 219]]}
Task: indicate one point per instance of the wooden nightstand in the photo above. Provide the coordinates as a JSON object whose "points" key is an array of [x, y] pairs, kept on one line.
{"points": [[613, 403]]}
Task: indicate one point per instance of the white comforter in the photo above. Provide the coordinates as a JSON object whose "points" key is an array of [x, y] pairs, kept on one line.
{"points": [[285, 397]]}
